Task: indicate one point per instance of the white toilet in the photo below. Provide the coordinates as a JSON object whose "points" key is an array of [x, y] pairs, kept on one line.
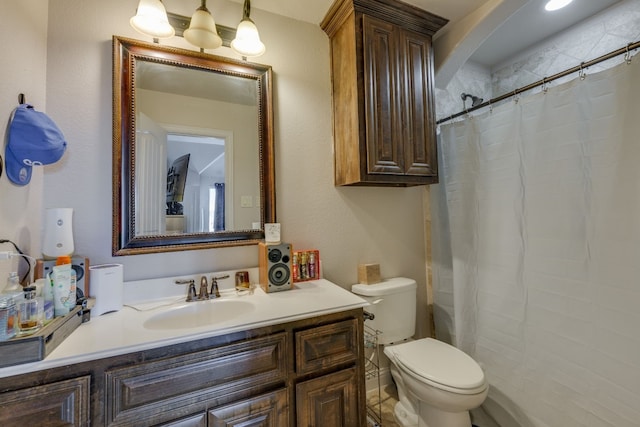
{"points": [[437, 383]]}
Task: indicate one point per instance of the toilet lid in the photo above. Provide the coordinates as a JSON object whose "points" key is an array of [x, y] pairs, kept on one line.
{"points": [[440, 364]]}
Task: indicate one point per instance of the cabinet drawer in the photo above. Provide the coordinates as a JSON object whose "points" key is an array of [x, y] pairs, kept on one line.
{"points": [[267, 410], [166, 389], [55, 404], [326, 346]]}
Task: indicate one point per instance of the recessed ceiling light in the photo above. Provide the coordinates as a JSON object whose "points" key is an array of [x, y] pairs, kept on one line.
{"points": [[556, 4]]}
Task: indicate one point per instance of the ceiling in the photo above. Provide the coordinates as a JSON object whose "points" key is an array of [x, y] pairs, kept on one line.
{"points": [[528, 26]]}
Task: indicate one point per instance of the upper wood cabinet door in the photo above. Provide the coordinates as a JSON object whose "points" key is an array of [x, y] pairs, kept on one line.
{"points": [[382, 89], [382, 81], [418, 105]]}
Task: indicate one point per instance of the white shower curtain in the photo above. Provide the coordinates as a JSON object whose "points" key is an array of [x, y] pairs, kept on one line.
{"points": [[537, 250]]}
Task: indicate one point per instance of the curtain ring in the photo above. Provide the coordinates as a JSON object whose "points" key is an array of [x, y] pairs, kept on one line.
{"points": [[544, 85], [627, 56], [582, 74], [490, 107], [515, 96]]}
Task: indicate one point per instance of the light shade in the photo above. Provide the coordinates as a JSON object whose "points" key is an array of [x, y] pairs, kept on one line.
{"points": [[151, 20], [247, 41], [202, 30]]}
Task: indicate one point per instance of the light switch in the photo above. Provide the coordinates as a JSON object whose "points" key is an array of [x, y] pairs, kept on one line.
{"points": [[246, 201]]}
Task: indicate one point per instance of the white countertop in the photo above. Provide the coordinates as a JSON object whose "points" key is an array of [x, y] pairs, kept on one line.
{"points": [[124, 331]]}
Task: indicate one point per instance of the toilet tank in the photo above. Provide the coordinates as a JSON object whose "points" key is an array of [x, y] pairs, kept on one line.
{"points": [[393, 303]]}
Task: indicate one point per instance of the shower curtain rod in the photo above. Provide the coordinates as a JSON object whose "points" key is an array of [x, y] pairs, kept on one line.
{"points": [[579, 68]]}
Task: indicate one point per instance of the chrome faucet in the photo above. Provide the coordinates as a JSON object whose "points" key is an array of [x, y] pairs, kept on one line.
{"points": [[191, 292], [203, 295]]}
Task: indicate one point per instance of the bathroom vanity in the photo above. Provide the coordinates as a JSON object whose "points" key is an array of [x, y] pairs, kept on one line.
{"points": [[282, 359]]}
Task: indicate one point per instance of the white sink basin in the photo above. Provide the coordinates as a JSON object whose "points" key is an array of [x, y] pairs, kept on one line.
{"points": [[199, 313]]}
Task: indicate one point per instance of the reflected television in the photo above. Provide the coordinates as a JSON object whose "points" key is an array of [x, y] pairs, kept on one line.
{"points": [[176, 182]]}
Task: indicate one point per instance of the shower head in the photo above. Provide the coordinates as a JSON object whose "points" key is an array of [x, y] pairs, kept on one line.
{"points": [[475, 101]]}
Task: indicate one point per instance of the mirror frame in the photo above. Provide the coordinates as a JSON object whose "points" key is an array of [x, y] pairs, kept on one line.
{"points": [[125, 53]]}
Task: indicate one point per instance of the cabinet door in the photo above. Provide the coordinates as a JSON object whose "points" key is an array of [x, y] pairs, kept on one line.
{"points": [[63, 403], [382, 97], [328, 401], [417, 105], [268, 410]]}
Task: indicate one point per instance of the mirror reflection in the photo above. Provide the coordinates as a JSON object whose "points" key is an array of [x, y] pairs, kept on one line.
{"points": [[206, 124], [194, 147]]}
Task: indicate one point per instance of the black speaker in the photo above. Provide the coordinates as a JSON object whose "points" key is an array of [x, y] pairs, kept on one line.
{"points": [[275, 266]]}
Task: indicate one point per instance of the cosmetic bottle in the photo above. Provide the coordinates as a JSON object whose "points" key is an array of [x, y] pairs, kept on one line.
{"points": [[8, 317], [30, 312], [312, 265]]}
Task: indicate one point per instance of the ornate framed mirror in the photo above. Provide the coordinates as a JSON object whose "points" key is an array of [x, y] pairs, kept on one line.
{"points": [[193, 163]]}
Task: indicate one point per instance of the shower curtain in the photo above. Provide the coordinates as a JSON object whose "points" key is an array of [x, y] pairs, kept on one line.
{"points": [[537, 250]]}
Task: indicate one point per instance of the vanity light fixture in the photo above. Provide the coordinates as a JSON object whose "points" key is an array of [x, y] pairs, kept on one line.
{"points": [[202, 31], [247, 41], [151, 19], [556, 4]]}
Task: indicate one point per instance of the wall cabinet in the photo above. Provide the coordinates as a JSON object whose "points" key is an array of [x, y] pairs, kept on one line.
{"points": [[382, 80], [274, 376]]}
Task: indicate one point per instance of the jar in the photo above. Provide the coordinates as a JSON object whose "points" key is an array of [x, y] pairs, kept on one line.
{"points": [[8, 317]]}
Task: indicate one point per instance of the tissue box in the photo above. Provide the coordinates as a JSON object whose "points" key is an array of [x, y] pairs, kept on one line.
{"points": [[368, 273]]}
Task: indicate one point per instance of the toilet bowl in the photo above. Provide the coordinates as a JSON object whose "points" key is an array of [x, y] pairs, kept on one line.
{"points": [[441, 383], [437, 383]]}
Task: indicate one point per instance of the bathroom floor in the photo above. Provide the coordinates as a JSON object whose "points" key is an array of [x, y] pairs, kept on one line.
{"points": [[388, 399]]}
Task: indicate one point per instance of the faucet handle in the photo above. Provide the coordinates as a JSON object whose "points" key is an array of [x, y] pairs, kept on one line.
{"points": [[215, 292], [203, 289], [191, 293]]}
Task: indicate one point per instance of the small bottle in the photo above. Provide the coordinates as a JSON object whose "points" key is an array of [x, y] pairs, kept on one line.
{"points": [[30, 312], [8, 317], [71, 301], [312, 265], [302, 266], [294, 266]]}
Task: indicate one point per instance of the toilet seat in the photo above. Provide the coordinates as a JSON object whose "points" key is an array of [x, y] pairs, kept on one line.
{"points": [[440, 365]]}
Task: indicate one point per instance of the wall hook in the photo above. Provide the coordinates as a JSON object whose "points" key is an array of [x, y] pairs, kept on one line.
{"points": [[22, 99]]}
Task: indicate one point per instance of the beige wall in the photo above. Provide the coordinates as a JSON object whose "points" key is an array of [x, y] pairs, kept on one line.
{"points": [[22, 70], [348, 225]]}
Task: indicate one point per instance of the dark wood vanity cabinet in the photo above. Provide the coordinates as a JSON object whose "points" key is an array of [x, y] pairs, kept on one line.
{"points": [[59, 403], [382, 79], [304, 373]]}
